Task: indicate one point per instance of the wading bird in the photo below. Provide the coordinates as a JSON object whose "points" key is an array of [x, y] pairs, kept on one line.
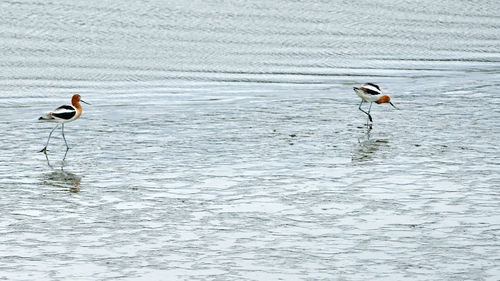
{"points": [[370, 92], [61, 115]]}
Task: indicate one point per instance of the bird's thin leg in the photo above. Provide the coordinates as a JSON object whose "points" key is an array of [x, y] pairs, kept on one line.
{"points": [[44, 150], [64, 158], [367, 113], [370, 108], [67, 147]]}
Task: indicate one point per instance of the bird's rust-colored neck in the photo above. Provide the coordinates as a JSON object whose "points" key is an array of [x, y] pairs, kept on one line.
{"points": [[383, 99], [75, 101]]}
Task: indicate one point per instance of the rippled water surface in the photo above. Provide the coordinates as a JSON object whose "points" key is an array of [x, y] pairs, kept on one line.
{"points": [[224, 141]]}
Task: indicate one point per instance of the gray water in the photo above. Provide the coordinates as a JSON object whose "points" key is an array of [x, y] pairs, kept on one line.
{"points": [[224, 141]]}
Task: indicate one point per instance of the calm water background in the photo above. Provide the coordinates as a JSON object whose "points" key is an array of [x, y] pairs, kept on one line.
{"points": [[224, 141]]}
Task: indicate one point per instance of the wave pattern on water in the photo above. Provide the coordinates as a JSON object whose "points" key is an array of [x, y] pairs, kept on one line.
{"points": [[58, 44]]}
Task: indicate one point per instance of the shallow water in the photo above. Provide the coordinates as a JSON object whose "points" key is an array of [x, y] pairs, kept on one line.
{"points": [[224, 141]]}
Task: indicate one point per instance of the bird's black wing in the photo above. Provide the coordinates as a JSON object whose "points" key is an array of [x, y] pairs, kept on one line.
{"points": [[371, 89], [65, 112]]}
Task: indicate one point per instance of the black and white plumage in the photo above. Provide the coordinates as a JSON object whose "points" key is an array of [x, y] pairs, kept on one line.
{"points": [[370, 92], [61, 115]]}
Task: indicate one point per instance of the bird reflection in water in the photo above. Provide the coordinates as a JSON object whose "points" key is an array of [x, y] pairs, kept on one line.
{"points": [[367, 147], [62, 179]]}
